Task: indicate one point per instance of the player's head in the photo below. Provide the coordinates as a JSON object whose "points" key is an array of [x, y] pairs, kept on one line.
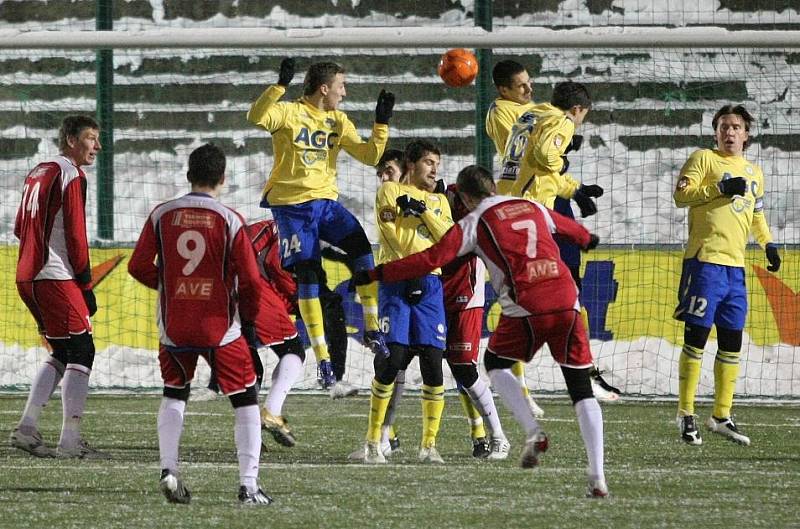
{"points": [[474, 184], [512, 81], [574, 99], [731, 126], [390, 166], [325, 80], [79, 139], [421, 163], [206, 167]]}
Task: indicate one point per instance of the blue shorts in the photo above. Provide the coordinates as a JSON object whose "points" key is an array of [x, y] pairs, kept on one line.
{"points": [[302, 226], [712, 294], [420, 324]]}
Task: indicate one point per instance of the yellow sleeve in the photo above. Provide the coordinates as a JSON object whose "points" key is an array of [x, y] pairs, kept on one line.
{"points": [[759, 227], [567, 186], [551, 144], [367, 152], [498, 125], [692, 188], [386, 213], [265, 112], [438, 225]]}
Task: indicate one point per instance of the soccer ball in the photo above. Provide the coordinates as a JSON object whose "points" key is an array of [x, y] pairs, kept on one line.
{"points": [[458, 67]]}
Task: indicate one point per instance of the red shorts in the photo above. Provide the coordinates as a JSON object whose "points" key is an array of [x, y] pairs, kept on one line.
{"points": [[273, 324], [57, 306], [232, 364], [563, 332], [464, 335]]}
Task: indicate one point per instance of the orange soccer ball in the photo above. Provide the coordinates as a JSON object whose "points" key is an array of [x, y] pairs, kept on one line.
{"points": [[458, 67]]}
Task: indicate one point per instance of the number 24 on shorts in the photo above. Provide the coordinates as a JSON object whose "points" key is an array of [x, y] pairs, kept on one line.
{"points": [[290, 246]]}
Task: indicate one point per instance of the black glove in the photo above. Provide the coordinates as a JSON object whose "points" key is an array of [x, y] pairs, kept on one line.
{"points": [[564, 167], [415, 289], [410, 206], [585, 203], [773, 258], [594, 240], [733, 186], [91, 302], [592, 190], [574, 144], [440, 187], [383, 109], [287, 72], [365, 277]]}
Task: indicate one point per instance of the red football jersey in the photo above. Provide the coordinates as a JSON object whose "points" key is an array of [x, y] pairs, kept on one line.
{"points": [[196, 252], [51, 224], [514, 237], [266, 244], [463, 278]]}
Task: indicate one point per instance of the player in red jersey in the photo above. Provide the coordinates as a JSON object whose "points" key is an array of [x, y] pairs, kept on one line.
{"points": [[539, 301], [54, 280], [463, 281], [197, 254]]}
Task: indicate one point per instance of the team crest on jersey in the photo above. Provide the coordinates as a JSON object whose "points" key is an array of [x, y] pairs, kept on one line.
{"points": [[310, 156], [423, 232], [558, 141], [387, 214], [330, 122], [682, 183]]}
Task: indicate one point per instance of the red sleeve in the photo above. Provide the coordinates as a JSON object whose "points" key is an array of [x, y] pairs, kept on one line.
{"points": [[243, 259], [570, 229], [74, 210], [419, 264], [142, 265]]}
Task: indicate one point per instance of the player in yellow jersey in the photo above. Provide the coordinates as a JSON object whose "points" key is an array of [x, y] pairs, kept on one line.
{"points": [[725, 196], [411, 217], [307, 135]]}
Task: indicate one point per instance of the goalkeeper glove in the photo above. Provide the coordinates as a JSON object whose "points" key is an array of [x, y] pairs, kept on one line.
{"points": [[286, 73], [415, 289], [574, 144], [586, 204], [564, 167], [365, 277], [592, 190], [91, 301], [383, 109], [733, 186], [773, 258], [410, 206]]}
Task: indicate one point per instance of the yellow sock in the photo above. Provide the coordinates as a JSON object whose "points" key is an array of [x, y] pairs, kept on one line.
{"points": [[378, 402], [311, 312], [518, 369], [476, 429], [432, 408], [689, 364], [726, 371], [369, 303]]}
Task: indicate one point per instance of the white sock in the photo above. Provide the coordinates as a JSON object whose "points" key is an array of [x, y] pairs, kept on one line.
{"points": [[590, 419], [247, 434], [507, 386], [482, 398], [74, 390], [170, 428], [289, 370], [44, 384]]}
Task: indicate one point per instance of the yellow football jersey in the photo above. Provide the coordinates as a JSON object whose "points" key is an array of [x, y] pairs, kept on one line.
{"points": [[501, 116], [401, 235], [306, 142], [719, 225], [540, 175]]}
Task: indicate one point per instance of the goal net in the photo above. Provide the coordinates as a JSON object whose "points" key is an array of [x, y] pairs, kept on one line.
{"points": [[652, 108]]}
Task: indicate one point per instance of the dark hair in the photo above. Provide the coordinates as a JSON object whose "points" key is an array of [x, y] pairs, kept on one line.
{"points": [[390, 155], [503, 71], [739, 110], [569, 93], [419, 148], [72, 126], [206, 166], [318, 74], [475, 181]]}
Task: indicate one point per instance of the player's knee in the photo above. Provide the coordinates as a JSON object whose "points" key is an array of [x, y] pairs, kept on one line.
{"points": [[695, 335], [306, 272], [293, 347], [80, 349], [60, 351], [492, 361], [579, 385], [249, 397], [729, 340], [355, 245], [465, 374], [178, 393], [430, 366]]}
